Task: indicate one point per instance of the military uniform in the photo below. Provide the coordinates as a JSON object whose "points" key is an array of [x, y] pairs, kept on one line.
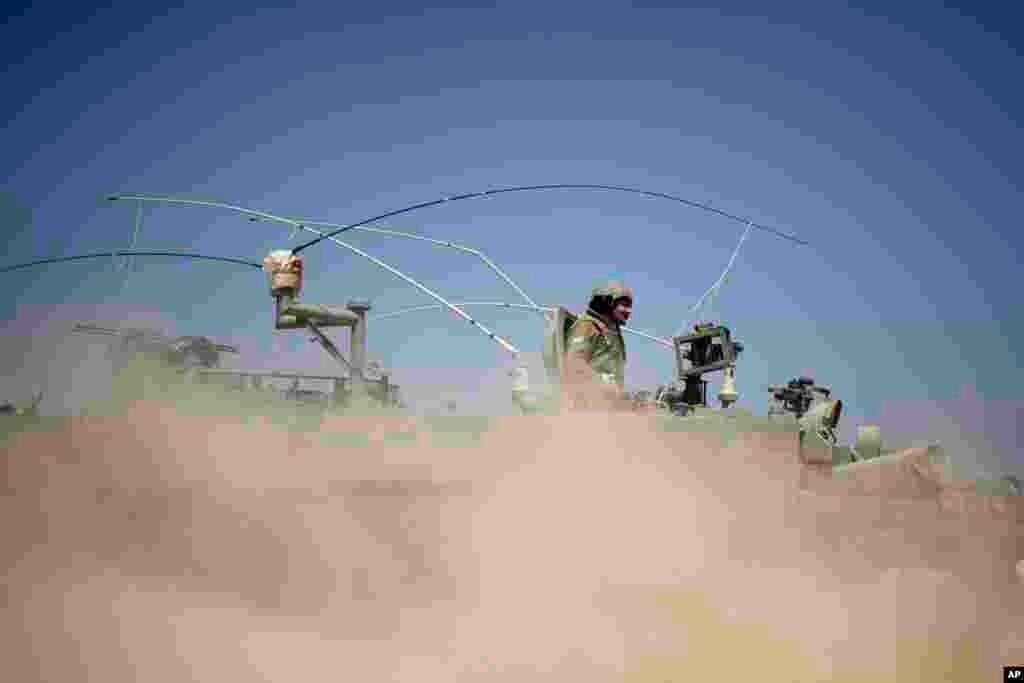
{"points": [[599, 341], [595, 342]]}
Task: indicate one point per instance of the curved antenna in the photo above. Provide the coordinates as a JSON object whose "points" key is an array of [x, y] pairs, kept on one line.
{"points": [[108, 254], [301, 226], [441, 243], [297, 224], [199, 202], [434, 307], [502, 304], [555, 186], [716, 287]]}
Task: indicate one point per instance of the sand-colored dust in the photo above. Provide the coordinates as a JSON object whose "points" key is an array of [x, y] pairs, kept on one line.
{"points": [[163, 544]]}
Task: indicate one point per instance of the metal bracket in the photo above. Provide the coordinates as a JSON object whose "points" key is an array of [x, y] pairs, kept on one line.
{"points": [[329, 347]]}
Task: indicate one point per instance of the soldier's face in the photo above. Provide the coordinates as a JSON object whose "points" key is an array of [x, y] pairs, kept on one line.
{"points": [[622, 309]]}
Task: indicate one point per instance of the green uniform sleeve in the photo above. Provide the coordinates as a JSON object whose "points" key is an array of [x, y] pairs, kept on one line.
{"points": [[582, 339]]}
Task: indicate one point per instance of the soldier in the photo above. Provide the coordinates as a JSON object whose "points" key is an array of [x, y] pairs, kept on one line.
{"points": [[595, 356]]}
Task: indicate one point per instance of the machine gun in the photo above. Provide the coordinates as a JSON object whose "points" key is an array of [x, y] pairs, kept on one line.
{"points": [[812, 405], [795, 397]]}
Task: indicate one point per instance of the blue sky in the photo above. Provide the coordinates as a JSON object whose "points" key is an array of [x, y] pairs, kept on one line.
{"points": [[887, 138]]}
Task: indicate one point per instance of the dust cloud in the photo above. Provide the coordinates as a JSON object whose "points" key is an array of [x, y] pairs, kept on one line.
{"points": [[205, 539]]}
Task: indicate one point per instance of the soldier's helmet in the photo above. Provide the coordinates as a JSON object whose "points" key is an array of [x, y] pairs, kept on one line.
{"points": [[614, 289]]}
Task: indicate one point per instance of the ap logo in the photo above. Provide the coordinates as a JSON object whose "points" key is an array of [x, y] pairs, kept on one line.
{"points": [[1013, 673]]}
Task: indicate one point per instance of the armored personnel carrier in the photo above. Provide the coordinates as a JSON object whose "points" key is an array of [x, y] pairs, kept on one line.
{"points": [[771, 506], [886, 489]]}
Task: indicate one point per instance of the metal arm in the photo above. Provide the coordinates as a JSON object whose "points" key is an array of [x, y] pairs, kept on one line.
{"points": [[329, 346]]}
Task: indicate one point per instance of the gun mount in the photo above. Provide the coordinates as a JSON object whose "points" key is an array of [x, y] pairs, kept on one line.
{"points": [[797, 396], [816, 412], [285, 272], [709, 348]]}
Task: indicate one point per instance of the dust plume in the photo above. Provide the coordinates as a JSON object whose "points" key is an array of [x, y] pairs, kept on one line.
{"points": [[206, 539]]}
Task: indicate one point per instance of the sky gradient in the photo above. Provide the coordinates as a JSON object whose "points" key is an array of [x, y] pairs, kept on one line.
{"points": [[889, 139]]}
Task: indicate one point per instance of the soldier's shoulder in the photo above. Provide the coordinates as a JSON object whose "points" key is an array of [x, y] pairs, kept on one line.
{"points": [[585, 327]]}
